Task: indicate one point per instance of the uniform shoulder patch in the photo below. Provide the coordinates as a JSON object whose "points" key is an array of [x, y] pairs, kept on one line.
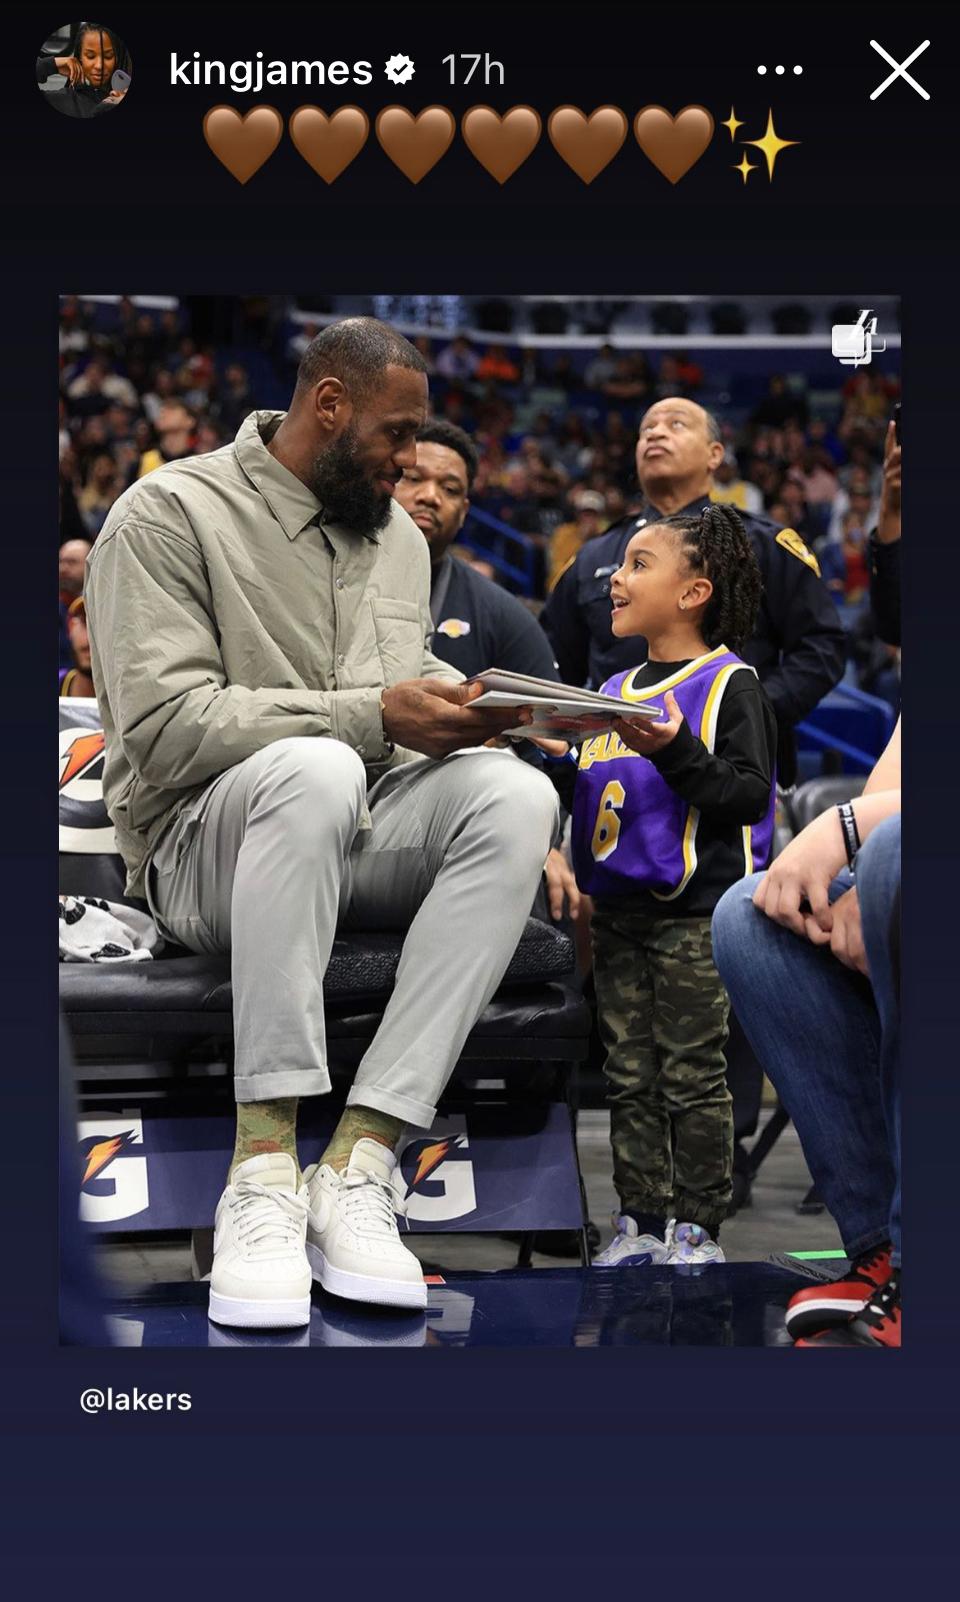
{"points": [[454, 627], [791, 541]]}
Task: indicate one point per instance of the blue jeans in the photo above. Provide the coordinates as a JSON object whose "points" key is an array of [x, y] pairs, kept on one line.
{"points": [[829, 1039]]}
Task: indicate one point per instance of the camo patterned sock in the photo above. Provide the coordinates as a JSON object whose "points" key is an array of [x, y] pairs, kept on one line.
{"points": [[358, 1123], [266, 1126]]}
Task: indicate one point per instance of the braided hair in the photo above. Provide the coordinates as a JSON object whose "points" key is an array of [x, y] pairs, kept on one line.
{"points": [[716, 544], [119, 49]]}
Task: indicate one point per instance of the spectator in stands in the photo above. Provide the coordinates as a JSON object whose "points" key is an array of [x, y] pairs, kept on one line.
{"points": [[589, 520], [810, 955], [818, 480], [601, 370], [458, 361], [780, 405], [163, 391], [798, 648], [853, 546], [99, 493], [299, 342], [628, 381], [857, 498], [690, 585], [77, 679], [235, 399], [496, 365], [175, 429], [72, 563], [423, 345], [97, 386], [258, 621], [798, 512], [729, 489], [72, 560]]}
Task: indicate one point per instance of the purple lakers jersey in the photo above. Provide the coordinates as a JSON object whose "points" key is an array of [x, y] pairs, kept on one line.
{"points": [[631, 831]]}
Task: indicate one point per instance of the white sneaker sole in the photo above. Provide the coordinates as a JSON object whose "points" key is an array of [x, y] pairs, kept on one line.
{"points": [[365, 1287], [288, 1313]]}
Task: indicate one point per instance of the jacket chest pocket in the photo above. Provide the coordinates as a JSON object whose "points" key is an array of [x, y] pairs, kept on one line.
{"points": [[398, 629]]}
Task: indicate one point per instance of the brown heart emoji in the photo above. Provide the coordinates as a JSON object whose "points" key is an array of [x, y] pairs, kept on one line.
{"points": [[501, 144], [329, 144], [587, 144], [415, 144], [673, 144], [243, 144]]}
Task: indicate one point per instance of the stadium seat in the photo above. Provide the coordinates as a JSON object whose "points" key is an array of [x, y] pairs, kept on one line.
{"points": [[809, 800]]}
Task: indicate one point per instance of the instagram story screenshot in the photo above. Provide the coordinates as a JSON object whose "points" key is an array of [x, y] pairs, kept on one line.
{"points": [[484, 963]]}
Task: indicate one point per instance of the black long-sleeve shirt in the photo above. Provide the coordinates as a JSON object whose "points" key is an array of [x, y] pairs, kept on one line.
{"points": [[884, 563], [798, 646], [729, 786]]}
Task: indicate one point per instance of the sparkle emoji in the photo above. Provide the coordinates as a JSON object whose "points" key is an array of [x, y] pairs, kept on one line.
{"points": [[733, 123], [745, 168], [771, 144]]}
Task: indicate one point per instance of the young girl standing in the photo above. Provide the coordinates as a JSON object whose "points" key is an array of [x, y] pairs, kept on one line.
{"points": [[667, 815]]}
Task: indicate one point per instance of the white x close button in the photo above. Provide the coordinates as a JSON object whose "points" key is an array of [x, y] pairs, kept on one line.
{"points": [[899, 69]]}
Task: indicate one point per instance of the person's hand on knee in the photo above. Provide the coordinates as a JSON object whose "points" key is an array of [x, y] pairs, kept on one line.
{"points": [[794, 891]]}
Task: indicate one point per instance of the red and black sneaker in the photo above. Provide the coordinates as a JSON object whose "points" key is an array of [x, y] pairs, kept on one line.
{"points": [[877, 1325], [831, 1305]]}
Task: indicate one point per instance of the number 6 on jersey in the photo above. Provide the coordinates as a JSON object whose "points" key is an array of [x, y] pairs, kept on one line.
{"points": [[606, 830]]}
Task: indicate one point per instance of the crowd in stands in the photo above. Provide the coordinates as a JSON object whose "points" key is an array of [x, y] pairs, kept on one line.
{"points": [[556, 431]]}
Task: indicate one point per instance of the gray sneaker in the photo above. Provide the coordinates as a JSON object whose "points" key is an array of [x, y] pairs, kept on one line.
{"points": [[689, 1246]]}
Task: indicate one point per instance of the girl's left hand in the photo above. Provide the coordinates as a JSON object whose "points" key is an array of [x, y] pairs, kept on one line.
{"points": [[646, 737], [113, 98]]}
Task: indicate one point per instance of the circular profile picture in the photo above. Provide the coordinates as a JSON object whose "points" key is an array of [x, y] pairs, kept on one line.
{"points": [[84, 69]]}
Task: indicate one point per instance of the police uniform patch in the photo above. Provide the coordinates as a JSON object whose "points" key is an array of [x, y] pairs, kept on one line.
{"points": [[454, 628], [791, 541]]}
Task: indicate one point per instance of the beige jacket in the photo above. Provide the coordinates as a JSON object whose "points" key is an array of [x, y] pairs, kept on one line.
{"points": [[226, 613]]}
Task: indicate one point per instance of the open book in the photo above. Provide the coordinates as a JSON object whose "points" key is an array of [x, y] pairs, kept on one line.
{"points": [[557, 707]]}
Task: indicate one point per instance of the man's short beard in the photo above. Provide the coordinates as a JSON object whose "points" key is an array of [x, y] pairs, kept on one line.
{"points": [[342, 485]]}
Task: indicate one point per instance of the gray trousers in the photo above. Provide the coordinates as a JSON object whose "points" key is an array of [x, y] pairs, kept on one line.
{"points": [[271, 860]]}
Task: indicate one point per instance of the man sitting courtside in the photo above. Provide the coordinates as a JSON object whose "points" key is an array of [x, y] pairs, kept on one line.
{"points": [[285, 757]]}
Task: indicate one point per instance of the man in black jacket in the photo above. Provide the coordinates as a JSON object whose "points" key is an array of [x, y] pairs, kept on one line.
{"points": [[798, 647], [477, 625]]}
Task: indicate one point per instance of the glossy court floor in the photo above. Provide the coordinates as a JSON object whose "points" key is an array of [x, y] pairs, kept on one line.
{"points": [[476, 1297]]}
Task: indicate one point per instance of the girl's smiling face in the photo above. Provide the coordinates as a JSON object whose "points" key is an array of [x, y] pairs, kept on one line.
{"points": [[645, 591], [98, 65]]}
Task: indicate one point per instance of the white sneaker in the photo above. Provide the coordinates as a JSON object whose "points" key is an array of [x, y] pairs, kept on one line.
{"points": [[260, 1277], [690, 1246], [629, 1246], [353, 1242]]}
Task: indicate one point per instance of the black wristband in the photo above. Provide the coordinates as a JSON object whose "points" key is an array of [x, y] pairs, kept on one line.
{"points": [[851, 834]]}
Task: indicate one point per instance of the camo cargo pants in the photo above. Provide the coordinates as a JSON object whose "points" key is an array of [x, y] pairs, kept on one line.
{"points": [[663, 1019]]}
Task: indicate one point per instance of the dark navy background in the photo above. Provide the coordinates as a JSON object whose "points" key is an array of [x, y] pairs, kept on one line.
{"points": [[424, 1473]]}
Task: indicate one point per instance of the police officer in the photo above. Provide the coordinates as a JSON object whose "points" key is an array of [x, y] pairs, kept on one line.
{"points": [[477, 625], [798, 648]]}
